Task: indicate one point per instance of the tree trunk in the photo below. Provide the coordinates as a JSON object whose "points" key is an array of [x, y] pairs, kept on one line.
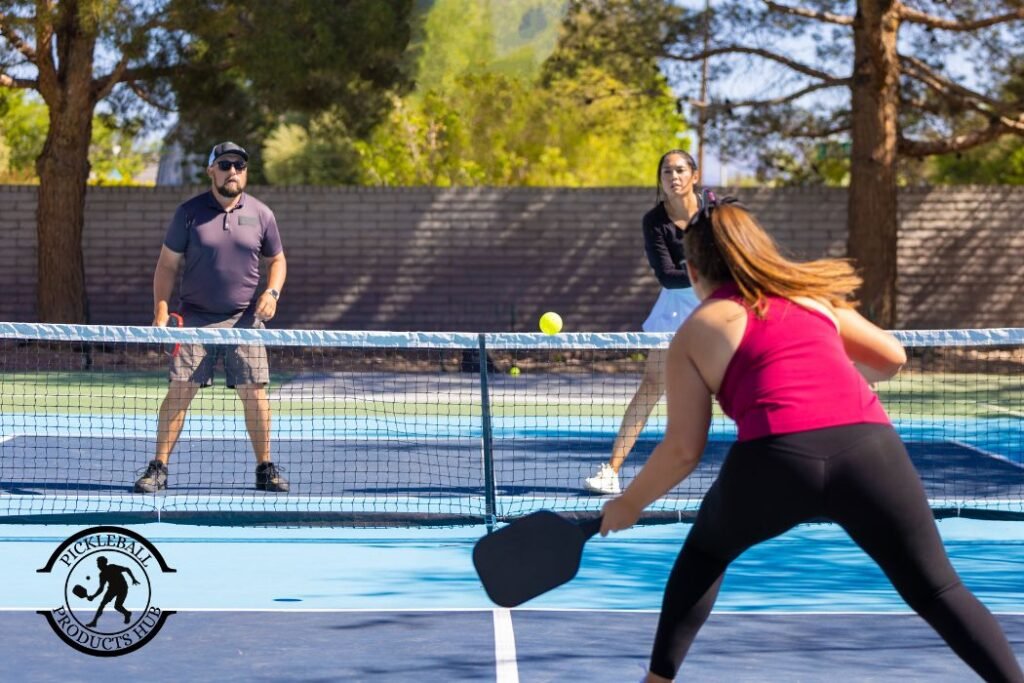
{"points": [[872, 220], [65, 82], [63, 169]]}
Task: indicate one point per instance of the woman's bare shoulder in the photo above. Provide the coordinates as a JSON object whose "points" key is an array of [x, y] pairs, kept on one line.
{"points": [[820, 306], [715, 311], [712, 317]]}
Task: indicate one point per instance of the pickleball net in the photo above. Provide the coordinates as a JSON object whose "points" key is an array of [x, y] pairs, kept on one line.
{"points": [[406, 428]]}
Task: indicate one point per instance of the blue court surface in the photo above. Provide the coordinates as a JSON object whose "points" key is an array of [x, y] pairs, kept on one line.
{"points": [[330, 604]]}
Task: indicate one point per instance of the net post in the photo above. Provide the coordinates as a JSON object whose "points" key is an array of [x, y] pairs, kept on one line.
{"points": [[487, 444]]}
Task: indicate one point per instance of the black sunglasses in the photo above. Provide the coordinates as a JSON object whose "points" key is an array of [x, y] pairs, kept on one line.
{"points": [[225, 165]]}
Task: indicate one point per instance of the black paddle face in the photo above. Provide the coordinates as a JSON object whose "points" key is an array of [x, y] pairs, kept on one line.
{"points": [[80, 591], [531, 556]]}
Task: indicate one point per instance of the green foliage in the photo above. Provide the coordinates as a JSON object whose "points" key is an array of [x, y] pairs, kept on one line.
{"points": [[999, 163], [608, 45], [824, 163], [23, 126], [774, 111], [508, 37], [456, 39], [488, 110], [233, 70], [116, 154], [314, 154], [250, 66], [496, 130]]}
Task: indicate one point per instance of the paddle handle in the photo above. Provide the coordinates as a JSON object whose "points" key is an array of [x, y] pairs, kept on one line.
{"points": [[590, 527]]}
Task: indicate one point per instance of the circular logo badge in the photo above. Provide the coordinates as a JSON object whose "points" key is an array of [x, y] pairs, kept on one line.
{"points": [[107, 605]]}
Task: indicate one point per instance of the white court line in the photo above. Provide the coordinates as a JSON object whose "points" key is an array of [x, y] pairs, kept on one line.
{"points": [[470, 441], [1015, 413], [457, 610], [295, 610], [987, 454], [505, 648], [4, 439]]}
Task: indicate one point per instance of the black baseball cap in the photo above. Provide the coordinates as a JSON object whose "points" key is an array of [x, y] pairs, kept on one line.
{"points": [[226, 148]]}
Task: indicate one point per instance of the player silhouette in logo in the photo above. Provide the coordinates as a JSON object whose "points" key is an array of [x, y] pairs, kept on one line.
{"points": [[112, 576]]}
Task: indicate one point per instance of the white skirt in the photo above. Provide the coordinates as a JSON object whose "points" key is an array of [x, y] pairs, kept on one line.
{"points": [[671, 309]]}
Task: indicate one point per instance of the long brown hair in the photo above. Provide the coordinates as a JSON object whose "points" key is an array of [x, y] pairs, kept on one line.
{"points": [[725, 243]]}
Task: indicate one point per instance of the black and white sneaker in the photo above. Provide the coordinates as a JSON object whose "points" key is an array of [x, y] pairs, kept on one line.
{"points": [[269, 478], [153, 479]]}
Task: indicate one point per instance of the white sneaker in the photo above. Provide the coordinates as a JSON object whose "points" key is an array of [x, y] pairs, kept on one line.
{"points": [[605, 482]]}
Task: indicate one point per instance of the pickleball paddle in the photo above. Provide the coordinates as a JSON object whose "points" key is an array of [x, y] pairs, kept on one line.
{"points": [[174, 320], [531, 556]]}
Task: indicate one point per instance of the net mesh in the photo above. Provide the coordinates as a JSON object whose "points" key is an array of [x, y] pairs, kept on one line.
{"points": [[412, 428]]}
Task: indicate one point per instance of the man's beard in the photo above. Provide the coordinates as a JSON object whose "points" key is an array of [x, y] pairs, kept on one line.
{"points": [[233, 191]]}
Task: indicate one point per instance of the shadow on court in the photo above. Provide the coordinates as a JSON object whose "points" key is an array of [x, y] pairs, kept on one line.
{"points": [[459, 646], [429, 468]]}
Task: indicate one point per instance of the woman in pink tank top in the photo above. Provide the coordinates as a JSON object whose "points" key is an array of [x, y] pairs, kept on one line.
{"points": [[790, 360]]}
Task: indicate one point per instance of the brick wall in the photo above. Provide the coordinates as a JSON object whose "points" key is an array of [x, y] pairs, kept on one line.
{"points": [[487, 259], [961, 257]]}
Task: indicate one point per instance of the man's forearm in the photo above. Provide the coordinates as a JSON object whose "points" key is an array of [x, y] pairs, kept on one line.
{"points": [[163, 286], [277, 271]]}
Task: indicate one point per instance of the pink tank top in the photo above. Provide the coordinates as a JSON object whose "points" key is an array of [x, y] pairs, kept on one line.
{"points": [[791, 374]]}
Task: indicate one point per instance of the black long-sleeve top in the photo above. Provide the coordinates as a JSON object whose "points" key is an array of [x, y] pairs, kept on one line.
{"points": [[663, 242]]}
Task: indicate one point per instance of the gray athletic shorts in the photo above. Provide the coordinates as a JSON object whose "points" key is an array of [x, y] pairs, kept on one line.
{"points": [[243, 365]]}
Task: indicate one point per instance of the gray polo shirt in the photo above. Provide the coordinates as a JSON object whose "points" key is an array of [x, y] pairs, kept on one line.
{"points": [[222, 251]]}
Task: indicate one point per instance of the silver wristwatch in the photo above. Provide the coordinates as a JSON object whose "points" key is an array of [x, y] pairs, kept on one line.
{"points": [[274, 293]]}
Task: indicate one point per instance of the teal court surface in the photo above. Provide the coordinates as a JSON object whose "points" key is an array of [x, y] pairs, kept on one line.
{"points": [[267, 604]]}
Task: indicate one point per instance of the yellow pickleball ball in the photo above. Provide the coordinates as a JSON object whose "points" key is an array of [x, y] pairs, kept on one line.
{"points": [[514, 371], [551, 323]]}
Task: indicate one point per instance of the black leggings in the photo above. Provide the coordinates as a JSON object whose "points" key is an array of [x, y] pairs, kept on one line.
{"points": [[858, 476]]}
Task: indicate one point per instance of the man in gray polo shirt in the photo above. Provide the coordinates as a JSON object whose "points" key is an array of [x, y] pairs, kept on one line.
{"points": [[217, 240]]}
